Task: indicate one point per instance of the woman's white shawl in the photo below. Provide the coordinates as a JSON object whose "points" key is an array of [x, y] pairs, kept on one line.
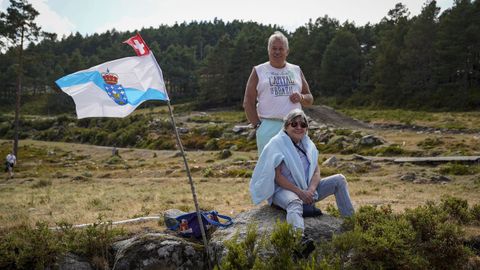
{"points": [[281, 148]]}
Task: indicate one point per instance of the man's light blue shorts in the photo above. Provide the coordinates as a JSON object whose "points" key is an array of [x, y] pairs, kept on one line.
{"points": [[268, 129]]}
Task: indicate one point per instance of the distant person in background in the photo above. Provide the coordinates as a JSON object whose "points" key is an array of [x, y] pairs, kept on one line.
{"points": [[10, 161], [274, 88]]}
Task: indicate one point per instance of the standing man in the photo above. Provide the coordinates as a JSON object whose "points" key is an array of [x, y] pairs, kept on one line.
{"points": [[274, 88], [10, 161]]}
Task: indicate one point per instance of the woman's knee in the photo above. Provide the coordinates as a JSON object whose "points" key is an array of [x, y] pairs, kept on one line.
{"points": [[341, 179], [295, 206]]}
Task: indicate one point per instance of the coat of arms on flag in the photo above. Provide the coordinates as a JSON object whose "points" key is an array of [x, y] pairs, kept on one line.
{"points": [[114, 90]]}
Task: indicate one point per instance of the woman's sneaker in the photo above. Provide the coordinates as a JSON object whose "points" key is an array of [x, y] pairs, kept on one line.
{"points": [[306, 247]]}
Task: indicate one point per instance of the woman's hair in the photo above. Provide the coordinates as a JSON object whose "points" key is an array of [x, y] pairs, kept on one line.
{"points": [[277, 35], [292, 115]]}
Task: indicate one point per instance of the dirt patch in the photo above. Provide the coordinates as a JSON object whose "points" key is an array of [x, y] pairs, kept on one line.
{"points": [[328, 116]]}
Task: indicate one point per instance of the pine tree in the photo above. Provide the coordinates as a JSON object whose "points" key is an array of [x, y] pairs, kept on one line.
{"points": [[418, 57], [340, 71], [18, 26]]}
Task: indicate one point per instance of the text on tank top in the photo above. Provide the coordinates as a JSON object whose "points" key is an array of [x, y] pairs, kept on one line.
{"points": [[274, 87]]}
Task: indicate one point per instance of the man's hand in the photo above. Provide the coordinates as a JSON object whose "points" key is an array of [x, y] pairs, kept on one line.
{"points": [[296, 97]]}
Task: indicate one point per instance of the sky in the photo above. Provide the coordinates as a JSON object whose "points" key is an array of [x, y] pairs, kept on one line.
{"points": [[97, 16]]}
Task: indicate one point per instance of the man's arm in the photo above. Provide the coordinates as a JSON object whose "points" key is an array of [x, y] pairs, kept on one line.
{"points": [[307, 99], [304, 97], [250, 99]]}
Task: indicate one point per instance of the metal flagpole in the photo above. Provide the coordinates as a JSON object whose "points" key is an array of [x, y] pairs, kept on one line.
{"points": [[190, 180]]}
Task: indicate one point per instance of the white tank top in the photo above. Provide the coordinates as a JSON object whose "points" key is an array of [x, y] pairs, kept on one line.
{"points": [[274, 87]]}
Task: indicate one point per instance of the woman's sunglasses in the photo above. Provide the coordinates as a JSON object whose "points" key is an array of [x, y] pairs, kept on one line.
{"points": [[302, 124]]}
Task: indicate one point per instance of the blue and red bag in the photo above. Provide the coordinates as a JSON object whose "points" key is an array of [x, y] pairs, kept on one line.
{"points": [[188, 223]]}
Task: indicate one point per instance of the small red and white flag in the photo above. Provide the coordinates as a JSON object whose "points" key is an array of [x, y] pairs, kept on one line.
{"points": [[138, 45]]}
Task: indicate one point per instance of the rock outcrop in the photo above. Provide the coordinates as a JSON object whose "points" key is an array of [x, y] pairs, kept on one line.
{"points": [[73, 262], [158, 251], [167, 251]]}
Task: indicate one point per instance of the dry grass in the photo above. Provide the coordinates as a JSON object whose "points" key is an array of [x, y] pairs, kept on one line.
{"points": [[80, 183], [76, 184], [451, 120]]}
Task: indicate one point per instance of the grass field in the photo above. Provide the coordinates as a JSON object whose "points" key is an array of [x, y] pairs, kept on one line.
{"points": [[75, 183], [449, 120]]}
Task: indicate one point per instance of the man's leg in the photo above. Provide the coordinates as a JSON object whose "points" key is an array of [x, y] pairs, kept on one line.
{"points": [[293, 205], [266, 131], [337, 185], [10, 171]]}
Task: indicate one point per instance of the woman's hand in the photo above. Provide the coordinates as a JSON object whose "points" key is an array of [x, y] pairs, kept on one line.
{"points": [[306, 196]]}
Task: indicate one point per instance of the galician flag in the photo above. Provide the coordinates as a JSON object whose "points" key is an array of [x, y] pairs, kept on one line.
{"points": [[116, 88]]}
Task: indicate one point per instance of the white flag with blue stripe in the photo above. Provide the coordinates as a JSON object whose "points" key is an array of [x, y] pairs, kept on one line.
{"points": [[115, 88]]}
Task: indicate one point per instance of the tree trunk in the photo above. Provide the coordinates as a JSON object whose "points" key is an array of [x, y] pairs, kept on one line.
{"points": [[19, 90]]}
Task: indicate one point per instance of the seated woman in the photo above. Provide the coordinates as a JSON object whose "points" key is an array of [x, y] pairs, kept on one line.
{"points": [[288, 176]]}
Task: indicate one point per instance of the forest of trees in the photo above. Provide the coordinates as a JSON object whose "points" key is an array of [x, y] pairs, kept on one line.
{"points": [[430, 61]]}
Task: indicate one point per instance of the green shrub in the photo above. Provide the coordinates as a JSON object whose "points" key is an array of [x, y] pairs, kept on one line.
{"points": [[214, 131], [458, 169], [327, 171], [208, 172], [391, 150], [475, 213], [424, 220], [42, 124], [114, 160], [446, 249], [194, 142], [212, 144], [388, 244], [456, 208], [285, 241], [430, 143], [368, 215], [101, 138], [329, 148], [199, 119], [25, 247], [239, 172], [242, 144], [94, 241], [343, 132], [163, 143], [276, 252], [241, 254], [50, 135], [332, 210], [422, 238], [5, 128], [65, 119]]}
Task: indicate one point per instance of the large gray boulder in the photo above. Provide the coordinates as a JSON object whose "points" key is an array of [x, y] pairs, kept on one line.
{"points": [[71, 261], [166, 251], [158, 251], [320, 228], [371, 140]]}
